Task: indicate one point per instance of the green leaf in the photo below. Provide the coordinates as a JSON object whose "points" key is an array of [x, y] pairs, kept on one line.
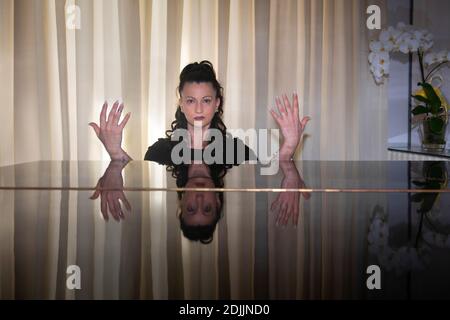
{"points": [[422, 99], [435, 102], [420, 110], [436, 125]]}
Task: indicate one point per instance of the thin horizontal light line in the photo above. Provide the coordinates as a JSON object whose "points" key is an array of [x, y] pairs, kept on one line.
{"points": [[318, 190]]}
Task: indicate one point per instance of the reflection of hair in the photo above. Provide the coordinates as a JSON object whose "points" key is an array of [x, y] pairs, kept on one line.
{"points": [[199, 72]]}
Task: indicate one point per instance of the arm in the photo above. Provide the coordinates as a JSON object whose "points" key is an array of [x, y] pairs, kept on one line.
{"points": [[110, 131], [291, 126]]}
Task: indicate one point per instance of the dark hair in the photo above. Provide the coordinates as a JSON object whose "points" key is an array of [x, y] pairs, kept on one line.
{"points": [[199, 72]]}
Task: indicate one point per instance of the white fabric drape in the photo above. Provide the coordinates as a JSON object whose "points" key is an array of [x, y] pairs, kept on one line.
{"points": [[54, 79]]}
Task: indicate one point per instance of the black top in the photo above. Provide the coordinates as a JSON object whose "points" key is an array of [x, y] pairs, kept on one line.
{"points": [[161, 151]]}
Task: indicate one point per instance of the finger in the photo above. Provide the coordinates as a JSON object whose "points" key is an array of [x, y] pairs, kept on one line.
{"points": [[280, 216], [288, 214], [125, 201], [103, 208], [96, 128], [95, 195], [284, 215], [306, 195], [277, 219], [304, 122], [117, 115], [296, 212], [275, 116], [286, 103], [103, 115], [111, 207], [280, 107], [112, 113], [274, 205], [295, 104], [118, 208], [125, 120]]}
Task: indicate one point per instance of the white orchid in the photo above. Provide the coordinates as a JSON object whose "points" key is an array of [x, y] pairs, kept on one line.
{"points": [[389, 38], [376, 46], [379, 64], [430, 59], [403, 38], [401, 259], [437, 239]]}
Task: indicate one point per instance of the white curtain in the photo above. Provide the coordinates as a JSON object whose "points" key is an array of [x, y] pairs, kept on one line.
{"points": [[54, 79]]}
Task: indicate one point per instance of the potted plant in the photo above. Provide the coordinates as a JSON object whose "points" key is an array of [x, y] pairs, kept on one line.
{"points": [[431, 110]]}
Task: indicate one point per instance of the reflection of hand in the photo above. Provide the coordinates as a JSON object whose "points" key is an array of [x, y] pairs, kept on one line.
{"points": [[110, 131], [290, 125], [110, 190], [286, 205]]}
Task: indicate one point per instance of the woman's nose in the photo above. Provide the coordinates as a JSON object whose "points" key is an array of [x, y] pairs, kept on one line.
{"points": [[198, 107], [199, 201]]}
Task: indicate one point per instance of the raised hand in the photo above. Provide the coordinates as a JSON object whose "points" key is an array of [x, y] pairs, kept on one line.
{"points": [[289, 123], [110, 131], [110, 190]]}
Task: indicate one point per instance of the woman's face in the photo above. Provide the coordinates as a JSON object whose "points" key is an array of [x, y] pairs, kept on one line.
{"points": [[199, 207], [198, 102]]}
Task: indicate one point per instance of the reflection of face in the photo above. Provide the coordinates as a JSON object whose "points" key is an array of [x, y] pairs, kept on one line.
{"points": [[199, 207], [198, 102]]}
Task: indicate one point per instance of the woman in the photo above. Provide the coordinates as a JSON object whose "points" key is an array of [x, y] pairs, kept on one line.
{"points": [[200, 108]]}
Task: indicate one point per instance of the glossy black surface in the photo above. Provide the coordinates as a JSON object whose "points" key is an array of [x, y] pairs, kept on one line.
{"points": [[318, 250]]}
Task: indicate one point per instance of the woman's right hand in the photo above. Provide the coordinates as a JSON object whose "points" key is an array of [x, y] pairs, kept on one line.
{"points": [[110, 131]]}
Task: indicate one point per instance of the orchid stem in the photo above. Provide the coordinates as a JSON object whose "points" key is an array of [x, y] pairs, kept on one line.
{"points": [[420, 53], [435, 69]]}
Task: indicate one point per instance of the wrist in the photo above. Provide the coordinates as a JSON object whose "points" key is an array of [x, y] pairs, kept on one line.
{"points": [[119, 155], [287, 151]]}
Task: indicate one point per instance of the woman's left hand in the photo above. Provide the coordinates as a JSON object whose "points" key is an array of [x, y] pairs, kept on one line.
{"points": [[290, 125]]}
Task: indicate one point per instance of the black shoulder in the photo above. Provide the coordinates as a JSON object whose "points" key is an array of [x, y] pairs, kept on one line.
{"points": [[160, 151]]}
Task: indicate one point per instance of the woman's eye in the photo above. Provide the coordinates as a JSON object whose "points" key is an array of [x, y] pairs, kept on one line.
{"points": [[189, 101], [190, 208], [207, 101], [208, 208]]}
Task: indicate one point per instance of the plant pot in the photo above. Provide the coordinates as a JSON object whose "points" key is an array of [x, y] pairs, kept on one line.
{"points": [[433, 133]]}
